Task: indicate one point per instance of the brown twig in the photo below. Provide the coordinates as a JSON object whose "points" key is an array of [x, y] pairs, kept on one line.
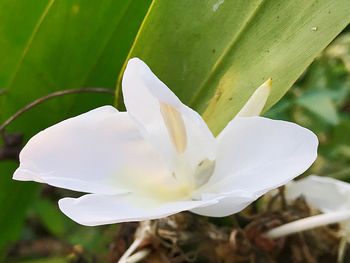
{"points": [[12, 142], [49, 96]]}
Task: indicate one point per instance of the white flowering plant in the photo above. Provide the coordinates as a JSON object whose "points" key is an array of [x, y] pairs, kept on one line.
{"points": [[184, 142], [160, 158]]}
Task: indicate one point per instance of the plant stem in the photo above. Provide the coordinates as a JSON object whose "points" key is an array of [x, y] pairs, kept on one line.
{"points": [[342, 249], [141, 233], [131, 249], [308, 223], [49, 96], [139, 255]]}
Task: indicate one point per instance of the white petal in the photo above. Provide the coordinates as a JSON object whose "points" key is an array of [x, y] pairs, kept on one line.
{"points": [[256, 102], [95, 209], [227, 204], [100, 151], [157, 110], [257, 154], [327, 194]]}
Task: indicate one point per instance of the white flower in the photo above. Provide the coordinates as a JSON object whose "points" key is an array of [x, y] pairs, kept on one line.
{"points": [[160, 158], [330, 196], [325, 193]]}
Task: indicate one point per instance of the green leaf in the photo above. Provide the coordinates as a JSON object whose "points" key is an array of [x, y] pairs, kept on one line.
{"points": [[46, 260], [15, 30], [214, 54], [340, 143], [318, 101], [51, 217], [93, 239], [73, 42], [14, 200], [54, 45]]}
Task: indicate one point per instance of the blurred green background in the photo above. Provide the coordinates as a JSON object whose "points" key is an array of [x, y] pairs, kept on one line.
{"points": [[46, 46]]}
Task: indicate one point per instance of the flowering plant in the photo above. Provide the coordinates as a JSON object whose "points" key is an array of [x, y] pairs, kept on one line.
{"points": [[160, 158]]}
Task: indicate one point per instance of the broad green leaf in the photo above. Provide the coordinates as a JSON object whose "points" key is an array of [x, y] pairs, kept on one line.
{"points": [[214, 53], [18, 20], [15, 30], [14, 199], [53, 45]]}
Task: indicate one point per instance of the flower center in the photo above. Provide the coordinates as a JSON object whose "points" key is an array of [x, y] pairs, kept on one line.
{"points": [[188, 177], [175, 126], [193, 179], [204, 171]]}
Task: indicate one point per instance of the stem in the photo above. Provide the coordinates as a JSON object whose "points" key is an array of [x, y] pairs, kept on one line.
{"points": [[138, 256], [141, 233], [342, 249], [49, 96], [307, 223], [131, 249]]}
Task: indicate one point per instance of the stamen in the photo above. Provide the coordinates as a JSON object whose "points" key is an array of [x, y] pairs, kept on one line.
{"points": [[175, 126], [203, 172]]}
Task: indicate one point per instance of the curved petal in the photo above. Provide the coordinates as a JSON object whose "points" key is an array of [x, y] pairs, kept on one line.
{"points": [[327, 194], [257, 154], [160, 116], [227, 204], [95, 209], [100, 151]]}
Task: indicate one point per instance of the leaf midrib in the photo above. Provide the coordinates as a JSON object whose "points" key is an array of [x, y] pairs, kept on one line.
{"points": [[230, 46]]}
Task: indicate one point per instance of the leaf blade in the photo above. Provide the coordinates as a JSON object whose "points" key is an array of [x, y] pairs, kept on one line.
{"points": [[63, 45], [224, 55]]}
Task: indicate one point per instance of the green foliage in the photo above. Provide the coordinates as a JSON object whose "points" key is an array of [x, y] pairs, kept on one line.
{"points": [[15, 31], [45, 260], [56, 45], [214, 54], [51, 217], [14, 199], [320, 101]]}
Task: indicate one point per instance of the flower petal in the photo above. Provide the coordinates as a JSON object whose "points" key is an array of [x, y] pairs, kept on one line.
{"points": [[96, 209], [257, 154], [256, 102], [327, 194], [172, 127], [227, 204], [100, 151]]}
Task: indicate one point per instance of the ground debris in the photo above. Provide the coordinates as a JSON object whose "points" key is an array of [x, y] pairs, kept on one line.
{"points": [[186, 237]]}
